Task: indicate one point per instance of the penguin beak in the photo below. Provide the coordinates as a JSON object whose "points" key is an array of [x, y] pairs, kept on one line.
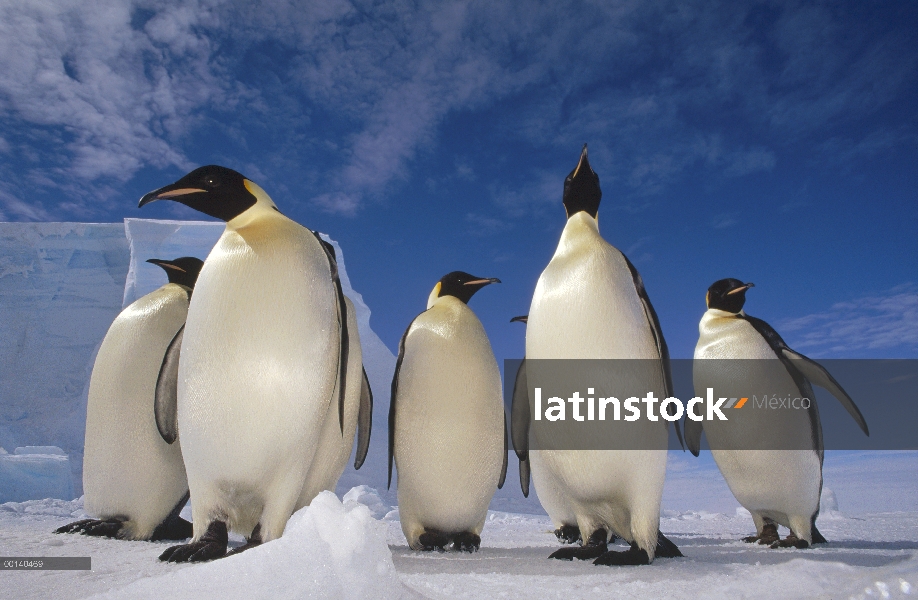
{"points": [[482, 281], [741, 289], [166, 265], [521, 319], [167, 193], [583, 161]]}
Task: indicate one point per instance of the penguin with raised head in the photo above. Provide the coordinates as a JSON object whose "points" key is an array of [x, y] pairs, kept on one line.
{"points": [[264, 349], [133, 476], [550, 495], [590, 303], [447, 426], [771, 459]]}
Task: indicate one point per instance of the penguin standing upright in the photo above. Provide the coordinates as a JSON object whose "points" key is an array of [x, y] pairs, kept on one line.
{"points": [[590, 303], [772, 459], [264, 346], [447, 430], [133, 477]]}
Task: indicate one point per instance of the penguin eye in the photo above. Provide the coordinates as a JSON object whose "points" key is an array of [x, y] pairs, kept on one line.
{"points": [[211, 181]]}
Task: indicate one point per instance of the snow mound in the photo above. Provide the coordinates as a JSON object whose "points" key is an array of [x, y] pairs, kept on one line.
{"points": [[47, 507], [328, 550], [369, 497]]}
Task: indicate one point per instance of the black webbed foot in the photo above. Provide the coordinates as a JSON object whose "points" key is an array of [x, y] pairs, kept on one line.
{"points": [[665, 548], [433, 540], [250, 542], [94, 527], [466, 542], [596, 545], [768, 536], [211, 545], [791, 541], [174, 529], [633, 556], [568, 534]]}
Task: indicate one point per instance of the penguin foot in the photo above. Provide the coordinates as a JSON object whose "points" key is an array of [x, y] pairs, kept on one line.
{"points": [[568, 534], [768, 536], [596, 545], [211, 545], [665, 548], [466, 542], [250, 542], [433, 540], [173, 529], [633, 556], [93, 527], [817, 537], [791, 541]]}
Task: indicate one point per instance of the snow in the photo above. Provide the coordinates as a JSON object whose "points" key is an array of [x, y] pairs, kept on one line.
{"points": [[62, 284]]}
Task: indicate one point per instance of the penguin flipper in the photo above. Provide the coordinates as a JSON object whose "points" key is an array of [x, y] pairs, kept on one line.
{"points": [[165, 404], [817, 374], [344, 339], [393, 397], [503, 469], [651, 315], [693, 436], [519, 414], [524, 477], [364, 421]]}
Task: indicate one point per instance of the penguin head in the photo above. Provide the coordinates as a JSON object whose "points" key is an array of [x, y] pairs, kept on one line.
{"points": [[460, 285], [521, 319], [183, 271], [728, 295], [581, 189], [213, 190]]}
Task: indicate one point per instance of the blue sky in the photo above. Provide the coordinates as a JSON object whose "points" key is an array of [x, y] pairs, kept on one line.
{"points": [[772, 142]]}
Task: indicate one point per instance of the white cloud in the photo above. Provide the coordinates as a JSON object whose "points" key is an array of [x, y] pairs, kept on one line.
{"points": [[887, 321]]}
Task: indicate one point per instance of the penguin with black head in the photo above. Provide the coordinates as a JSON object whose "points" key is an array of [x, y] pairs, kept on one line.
{"points": [[771, 459], [447, 426]]}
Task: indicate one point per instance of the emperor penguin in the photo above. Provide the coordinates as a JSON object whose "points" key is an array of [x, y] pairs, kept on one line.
{"points": [[263, 351], [771, 459], [334, 448], [590, 303], [447, 426], [133, 476], [551, 495]]}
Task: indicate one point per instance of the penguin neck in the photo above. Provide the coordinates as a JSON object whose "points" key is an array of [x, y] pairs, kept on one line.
{"points": [[264, 208], [711, 317], [580, 228]]}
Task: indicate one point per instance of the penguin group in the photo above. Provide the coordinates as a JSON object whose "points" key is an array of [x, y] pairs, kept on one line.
{"points": [[240, 384]]}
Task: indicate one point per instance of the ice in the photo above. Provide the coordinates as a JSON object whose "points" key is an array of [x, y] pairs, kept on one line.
{"points": [[35, 472], [329, 549], [369, 497]]}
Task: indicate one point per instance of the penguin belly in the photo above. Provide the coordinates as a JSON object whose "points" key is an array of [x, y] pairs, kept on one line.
{"points": [[449, 428], [776, 484], [550, 493], [334, 448], [585, 306], [257, 372], [129, 471]]}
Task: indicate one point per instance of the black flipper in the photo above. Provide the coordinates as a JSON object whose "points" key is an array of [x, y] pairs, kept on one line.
{"points": [[503, 469], [693, 431], [817, 374], [165, 405], [519, 425], [393, 398], [662, 348], [364, 421], [344, 339]]}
